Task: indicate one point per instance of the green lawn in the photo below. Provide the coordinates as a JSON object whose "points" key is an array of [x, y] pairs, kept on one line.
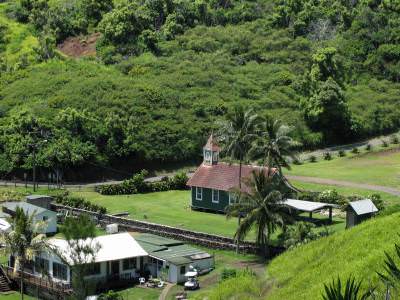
{"points": [[170, 208], [379, 168], [140, 293], [301, 273]]}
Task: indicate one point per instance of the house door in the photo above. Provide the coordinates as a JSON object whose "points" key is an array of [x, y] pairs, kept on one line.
{"points": [[115, 267]]}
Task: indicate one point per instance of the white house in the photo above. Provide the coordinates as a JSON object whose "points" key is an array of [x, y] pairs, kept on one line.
{"points": [[40, 214], [119, 257]]}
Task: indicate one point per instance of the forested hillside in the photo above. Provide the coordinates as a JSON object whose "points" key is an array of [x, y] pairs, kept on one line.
{"points": [[166, 70]]}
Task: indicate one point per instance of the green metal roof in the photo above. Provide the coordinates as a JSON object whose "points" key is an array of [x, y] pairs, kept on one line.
{"points": [[156, 240], [27, 207], [170, 250]]}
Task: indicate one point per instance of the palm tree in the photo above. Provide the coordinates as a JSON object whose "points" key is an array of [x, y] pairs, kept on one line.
{"points": [[24, 241], [392, 276], [237, 134], [274, 144], [262, 207], [351, 291]]}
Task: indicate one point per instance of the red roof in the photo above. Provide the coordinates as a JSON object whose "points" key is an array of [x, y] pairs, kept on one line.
{"points": [[221, 176], [212, 144]]}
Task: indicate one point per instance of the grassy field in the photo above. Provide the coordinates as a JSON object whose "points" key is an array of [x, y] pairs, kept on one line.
{"points": [[376, 167], [300, 273], [170, 208]]}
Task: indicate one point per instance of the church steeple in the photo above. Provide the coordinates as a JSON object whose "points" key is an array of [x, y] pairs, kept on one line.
{"points": [[211, 151]]}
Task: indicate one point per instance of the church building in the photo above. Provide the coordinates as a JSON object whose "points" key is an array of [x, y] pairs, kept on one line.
{"points": [[213, 182]]}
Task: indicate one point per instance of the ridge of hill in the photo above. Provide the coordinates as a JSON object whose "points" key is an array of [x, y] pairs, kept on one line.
{"points": [[302, 272]]}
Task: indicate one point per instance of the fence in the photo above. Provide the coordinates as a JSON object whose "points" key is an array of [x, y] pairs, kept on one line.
{"points": [[195, 237]]}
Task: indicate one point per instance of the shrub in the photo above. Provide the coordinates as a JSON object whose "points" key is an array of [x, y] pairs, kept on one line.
{"points": [[110, 295], [394, 139], [355, 150], [384, 144], [330, 196], [137, 185], [228, 273], [313, 158], [368, 147], [327, 156], [308, 196], [297, 161], [298, 234], [78, 202], [378, 201], [342, 153]]}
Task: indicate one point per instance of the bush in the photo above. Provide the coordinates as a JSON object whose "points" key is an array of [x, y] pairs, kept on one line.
{"points": [[327, 156], [378, 201], [228, 273], [342, 153], [368, 147], [297, 161], [313, 159], [110, 295], [355, 150], [81, 203], [330, 196], [308, 196], [394, 139], [138, 185], [384, 144]]}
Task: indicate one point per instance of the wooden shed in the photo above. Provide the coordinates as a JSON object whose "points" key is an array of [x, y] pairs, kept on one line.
{"points": [[359, 211]]}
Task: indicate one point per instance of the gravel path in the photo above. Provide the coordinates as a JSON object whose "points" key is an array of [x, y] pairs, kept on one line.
{"points": [[366, 186], [165, 291]]}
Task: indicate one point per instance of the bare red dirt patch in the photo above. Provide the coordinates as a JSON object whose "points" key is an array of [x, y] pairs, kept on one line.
{"points": [[79, 46]]}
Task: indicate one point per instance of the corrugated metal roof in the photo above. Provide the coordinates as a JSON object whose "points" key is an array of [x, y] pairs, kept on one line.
{"points": [[156, 240], [27, 207], [307, 206], [362, 207], [111, 247], [169, 250]]}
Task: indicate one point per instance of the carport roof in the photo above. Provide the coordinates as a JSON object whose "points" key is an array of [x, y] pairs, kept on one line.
{"points": [[307, 206]]}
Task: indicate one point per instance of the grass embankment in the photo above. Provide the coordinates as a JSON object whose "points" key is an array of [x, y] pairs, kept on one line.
{"points": [[377, 167], [301, 273], [20, 39]]}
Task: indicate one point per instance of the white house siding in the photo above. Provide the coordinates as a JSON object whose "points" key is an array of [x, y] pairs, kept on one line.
{"points": [[51, 221], [174, 274], [53, 258]]}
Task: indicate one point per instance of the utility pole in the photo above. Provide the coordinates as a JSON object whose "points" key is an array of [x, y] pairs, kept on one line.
{"points": [[34, 166]]}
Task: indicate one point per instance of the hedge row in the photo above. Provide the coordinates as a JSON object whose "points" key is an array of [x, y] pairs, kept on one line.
{"points": [[78, 202], [138, 185]]}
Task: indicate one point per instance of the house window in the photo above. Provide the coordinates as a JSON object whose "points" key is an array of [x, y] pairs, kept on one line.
{"points": [[93, 269], [207, 156], [232, 198], [45, 218], [183, 270], [199, 193], [41, 265], [215, 196], [129, 263], [59, 271]]}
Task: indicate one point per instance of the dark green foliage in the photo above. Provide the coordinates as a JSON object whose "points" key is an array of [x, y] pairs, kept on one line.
{"points": [[301, 233], [342, 153], [182, 65], [312, 159], [327, 156], [350, 291], [385, 144], [392, 268], [355, 150], [368, 147], [138, 185], [328, 106], [110, 295], [228, 273], [394, 139], [81, 203]]}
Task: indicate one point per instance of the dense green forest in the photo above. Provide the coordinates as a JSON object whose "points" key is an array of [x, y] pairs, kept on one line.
{"points": [[165, 71]]}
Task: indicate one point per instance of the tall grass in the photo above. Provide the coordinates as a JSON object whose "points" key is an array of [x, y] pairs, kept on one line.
{"points": [[302, 272]]}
